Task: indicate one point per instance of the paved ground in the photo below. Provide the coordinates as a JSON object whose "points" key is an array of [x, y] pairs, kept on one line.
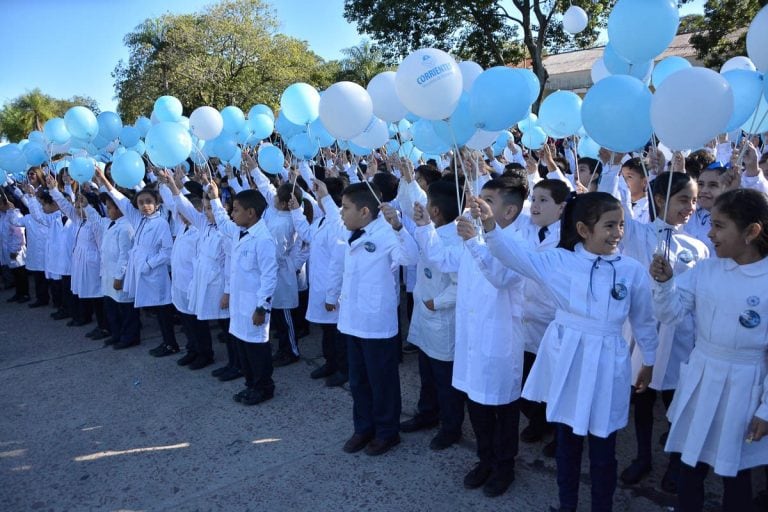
{"points": [[88, 428]]}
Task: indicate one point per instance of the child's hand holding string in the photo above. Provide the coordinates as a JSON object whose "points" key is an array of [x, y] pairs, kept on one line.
{"points": [[481, 210], [293, 204], [758, 429], [466, 228], [50, 182], [420, 215], [660, 270], [391, 216]]}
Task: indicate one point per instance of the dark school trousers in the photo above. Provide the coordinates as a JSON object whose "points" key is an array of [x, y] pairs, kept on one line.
{"points": [[536, 412], [165, 315], [737, 490], [374, 380], [496, 433], [41, 286], [198, 335], [334, 346], [256, 365], [21, 281], [602, 468], [644, 419], [282, 322], [123, 320], [438, 399]]}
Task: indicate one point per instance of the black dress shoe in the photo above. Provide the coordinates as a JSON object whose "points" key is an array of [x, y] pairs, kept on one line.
{"points": [[322, 372], [672, 474], [121, 345], [77, 323], [550, 449], [443, 440], [102, 334], [220, 371], [336, 380], [284, 359], [164, 350], [200, 362], [381, 446], [302, 333], [230, 374], [635, 471], [93, 332], [409, 348], [37, 304], [417, 423], [60, 315], [186, 359], [531, 434], [23, 299], [498, 483], [238, 397], [357, 442], [15, 298], [257, 396], [478, 475]]}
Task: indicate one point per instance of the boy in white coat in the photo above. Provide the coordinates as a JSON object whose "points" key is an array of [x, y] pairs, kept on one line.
{"points": [[252, 283], [368, 315], [14, 248]]}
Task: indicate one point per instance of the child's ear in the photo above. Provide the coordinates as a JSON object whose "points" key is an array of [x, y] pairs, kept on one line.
{"points": [[511, 211], [583, 230], [752, 232]]}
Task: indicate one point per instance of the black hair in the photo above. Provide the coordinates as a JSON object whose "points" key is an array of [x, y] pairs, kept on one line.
{"points": [[335, 188], [519, 179], [442, 195], [44, 195], [719, 170], [660, 185], [387, 184], [635, 164], [196, 201], [252, 199], [360, 195], [745, 206], [513, 166], [93, 200], [432, 162], [149, 190], [586, 208], [106, 198], [451, 178], [429, 173], [557, 189], [284, 193], [698, 161], [589, 162], [511, 189]]}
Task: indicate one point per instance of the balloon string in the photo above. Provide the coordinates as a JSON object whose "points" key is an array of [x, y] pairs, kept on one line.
{"points": [[364, 179], [652, 203], [752, 129], [459, 191]]}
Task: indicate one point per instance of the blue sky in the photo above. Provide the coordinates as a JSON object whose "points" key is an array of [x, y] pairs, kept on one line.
{"points": [[70, 47]]}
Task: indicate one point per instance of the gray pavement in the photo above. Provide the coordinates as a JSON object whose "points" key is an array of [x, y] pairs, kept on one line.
{"points": [[89, 428]]}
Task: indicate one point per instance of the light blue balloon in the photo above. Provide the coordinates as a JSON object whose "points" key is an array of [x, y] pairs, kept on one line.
{"points": [[501, 142], [498, 99], [56, 131], [666, 67], [39, 137], [139, 148], [639, 30], [129, 136], [534, 139], [110, 125], [168, 144], [100, 142], [12, 158], [560, 114], [3, 177], [81, 169], [392, 129], [392, 146], [300, 103], [530, 122], [271, 159], [168, 109], [459, 128], [319, 133], [128, 169], [76, 143], [286, 128], [304, 147], [757, 122], [81, 123], [358, 150], [747, 87], [343, 144], [616, 113], [618, 65], [224, 147], [119, 151], [426, 139], [261, 109], [588, 147], [260, 126], [184, 121], [534, 84], [34, 153], [411, 117], [244, 136], [234, 119], [143, 124]]}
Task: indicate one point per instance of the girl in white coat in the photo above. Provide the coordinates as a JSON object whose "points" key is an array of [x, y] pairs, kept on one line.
{"points": [[13, 250], [36, 234], [147, 276], [582, 370], [720, 411]]}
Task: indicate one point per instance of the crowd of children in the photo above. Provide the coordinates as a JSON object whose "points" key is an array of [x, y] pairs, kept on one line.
{"points": [[540, 283]]}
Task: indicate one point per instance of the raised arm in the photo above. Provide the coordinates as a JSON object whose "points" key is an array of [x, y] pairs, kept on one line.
{"points": [[223, 222], [123, 203]]}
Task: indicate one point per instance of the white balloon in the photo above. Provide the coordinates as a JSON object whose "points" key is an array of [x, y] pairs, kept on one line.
{"points": [[206, 123], [677, 115], [386, 104], [469, 72], [740, 62], [757, 40], [429, 83], [345, 110], [575, 20], [482, 139], [599, 71], [375, 135]]}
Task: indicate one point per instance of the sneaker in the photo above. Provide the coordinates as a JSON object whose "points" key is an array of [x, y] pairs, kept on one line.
{"points": [[322, 372], [284, 359], [409, 348], [336, 380], [256, 396], [200, 362], [357, 442], [164, 350], [478, 475], [635, 471], [443, 440], [381, 446], [498, 483], [186, 359], [417, 423]]}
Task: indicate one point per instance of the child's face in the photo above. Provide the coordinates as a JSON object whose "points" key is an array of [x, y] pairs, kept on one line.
{"points": [[726, 236], [208, 211], [32, 178], [50, 207], [243, 217], [146, 204], [354, 217], [113, 212], [710, 188], [544, 209], [505, 214], [584, 174], [636, 182], [681, 205], [605, 235]]}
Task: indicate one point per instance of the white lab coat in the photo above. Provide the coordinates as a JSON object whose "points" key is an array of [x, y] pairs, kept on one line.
{"points": [[116, 244], [35, 234], [182, 268], [488, 358], [434, 332], [369, 290], [327, 246], [582, 370], [210, 280], [60, 241], [698, 227], [147, 277], [12, 241], [723, 384], [253, 275], [86, 260]]}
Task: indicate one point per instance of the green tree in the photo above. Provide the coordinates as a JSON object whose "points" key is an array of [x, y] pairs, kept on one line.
{"points": [[723, 32], [361, 63], [691, 23], [230, 53], [32, 109]]}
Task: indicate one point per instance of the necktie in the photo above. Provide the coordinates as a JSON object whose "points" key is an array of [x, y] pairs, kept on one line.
{"points": [[321, 222], [242, 234], [186, 228], [543, 233], [63, 220], [111, 224], [355, 235]]}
